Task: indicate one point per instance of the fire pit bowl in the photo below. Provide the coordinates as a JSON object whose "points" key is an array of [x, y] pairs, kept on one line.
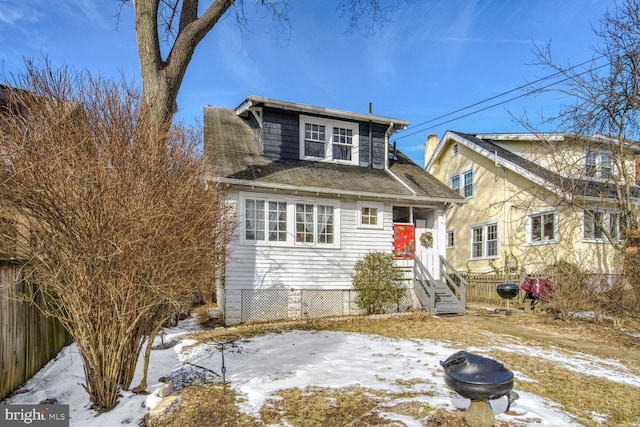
{"points": [[508, 290], [477, 377]]}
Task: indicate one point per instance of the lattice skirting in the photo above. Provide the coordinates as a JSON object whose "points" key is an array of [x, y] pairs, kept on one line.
{"points": [[259, 305]]}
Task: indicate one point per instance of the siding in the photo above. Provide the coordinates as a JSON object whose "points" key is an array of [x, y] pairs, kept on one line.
{"points": [[281, 137], [269, 267]]}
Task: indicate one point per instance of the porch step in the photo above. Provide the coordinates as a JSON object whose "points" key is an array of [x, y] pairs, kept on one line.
{"points": [[447, 303]]}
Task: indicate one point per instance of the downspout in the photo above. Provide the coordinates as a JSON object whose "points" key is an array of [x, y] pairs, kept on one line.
{"points": [[386, 160], [370, 137]]}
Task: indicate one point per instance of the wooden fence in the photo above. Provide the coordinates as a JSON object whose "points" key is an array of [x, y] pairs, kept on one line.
{"points": [[481, 287], [28, 340]]}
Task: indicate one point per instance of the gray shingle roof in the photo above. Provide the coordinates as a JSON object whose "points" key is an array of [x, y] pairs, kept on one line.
{"points": [[231, 148], [575, 186]]}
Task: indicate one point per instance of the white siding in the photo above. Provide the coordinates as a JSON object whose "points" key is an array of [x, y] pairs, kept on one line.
{"points": [[286, 267]]}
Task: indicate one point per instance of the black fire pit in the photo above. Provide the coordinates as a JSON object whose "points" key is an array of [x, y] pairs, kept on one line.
{"points": [[479, 379], [507, 291]]}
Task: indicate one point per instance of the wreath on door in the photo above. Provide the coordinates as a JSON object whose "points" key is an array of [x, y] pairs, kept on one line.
{"points": [[426, 239]]}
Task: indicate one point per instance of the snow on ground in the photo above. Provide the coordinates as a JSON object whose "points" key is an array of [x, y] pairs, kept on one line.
{"points": [[259, 367]]}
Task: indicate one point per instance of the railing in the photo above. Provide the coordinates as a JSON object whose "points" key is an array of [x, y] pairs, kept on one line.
{"points": [[453, 280], [424, 286]]}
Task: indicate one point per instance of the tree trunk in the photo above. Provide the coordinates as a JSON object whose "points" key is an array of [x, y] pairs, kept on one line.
{"points": [[161, 79]]}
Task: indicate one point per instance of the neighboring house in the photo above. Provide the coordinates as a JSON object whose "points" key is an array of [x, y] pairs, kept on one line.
{"points": [[314, 190], [533, 200]]}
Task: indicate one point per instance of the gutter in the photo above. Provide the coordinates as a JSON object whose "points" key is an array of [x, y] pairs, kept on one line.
{"points": [[331, 191]]}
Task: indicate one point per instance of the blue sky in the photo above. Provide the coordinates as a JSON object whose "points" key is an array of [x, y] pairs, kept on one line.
{"points": [[433, 58]]}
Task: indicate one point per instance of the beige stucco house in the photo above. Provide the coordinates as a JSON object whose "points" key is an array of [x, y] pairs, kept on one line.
{"points": [[532, 200]]}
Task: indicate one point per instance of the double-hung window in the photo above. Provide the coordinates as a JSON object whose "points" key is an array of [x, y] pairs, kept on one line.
{"points": [[328, 140], [484, 240], [462, 183], [541, 227], [598, 165], [595, 222]]}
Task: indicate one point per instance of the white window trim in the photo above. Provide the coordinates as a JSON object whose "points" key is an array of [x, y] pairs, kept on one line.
{"points": [[455, 238], [606, 213], [528, 241], [291, 221], [328, 149], [375, 205], [484, 226], [598, 165], [460, 175]]}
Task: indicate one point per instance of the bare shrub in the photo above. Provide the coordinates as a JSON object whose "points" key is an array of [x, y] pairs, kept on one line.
{"points": [[578, 291], [117, 227]]}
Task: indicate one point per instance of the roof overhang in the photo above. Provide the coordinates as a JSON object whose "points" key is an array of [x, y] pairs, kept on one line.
{"points": [[333, 192], [258, 101]]}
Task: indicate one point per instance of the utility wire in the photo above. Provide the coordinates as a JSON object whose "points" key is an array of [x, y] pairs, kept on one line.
{"points": [[501, 102]]}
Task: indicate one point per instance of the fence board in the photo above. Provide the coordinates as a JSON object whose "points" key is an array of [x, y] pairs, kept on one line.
{"points": [[29, 339], [481, 287]]}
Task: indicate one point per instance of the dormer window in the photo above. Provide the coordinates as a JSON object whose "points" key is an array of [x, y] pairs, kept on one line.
{"points": [[328, 140]]}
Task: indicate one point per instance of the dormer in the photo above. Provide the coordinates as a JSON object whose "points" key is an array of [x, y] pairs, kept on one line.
{"points": [[291, 131]]}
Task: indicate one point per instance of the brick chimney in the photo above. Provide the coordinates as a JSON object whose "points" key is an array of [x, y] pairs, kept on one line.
{"points": [[430, 147]]}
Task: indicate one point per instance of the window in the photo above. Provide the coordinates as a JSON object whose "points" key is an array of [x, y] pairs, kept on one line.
{"points": [[370, 214], [314, 223], [451, 238], [484, 240], [468, 184], [254, 219], [455, 183], [277, 221], [342, 143], [541, 227], [595, 222], [314, 140], [598, 165], [466, 180], [286, 222], [328, 140]]}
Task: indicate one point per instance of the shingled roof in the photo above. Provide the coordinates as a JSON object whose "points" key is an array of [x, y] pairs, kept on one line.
{"points": [[232, 150], [540, 174]]}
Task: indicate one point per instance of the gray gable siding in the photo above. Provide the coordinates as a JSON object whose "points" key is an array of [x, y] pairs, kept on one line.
{"points": [[281, 137], [281, 134], [379, 153]]}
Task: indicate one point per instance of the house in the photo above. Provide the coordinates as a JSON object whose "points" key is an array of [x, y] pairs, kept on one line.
{"points": [[314, 190], [534, 200]]}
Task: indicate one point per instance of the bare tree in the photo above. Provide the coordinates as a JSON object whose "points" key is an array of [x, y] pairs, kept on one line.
{"points": [[177, 24], [604, 112], [115, 224]]}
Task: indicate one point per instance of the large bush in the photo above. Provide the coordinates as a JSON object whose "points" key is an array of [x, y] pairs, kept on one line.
{"points": [[378, 282]]}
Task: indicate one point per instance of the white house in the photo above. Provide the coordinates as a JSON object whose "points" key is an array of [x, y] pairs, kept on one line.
{"points": [[314, 190]]}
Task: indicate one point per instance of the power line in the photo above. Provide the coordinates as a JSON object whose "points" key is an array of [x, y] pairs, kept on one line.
{"points": [[556, 74]]}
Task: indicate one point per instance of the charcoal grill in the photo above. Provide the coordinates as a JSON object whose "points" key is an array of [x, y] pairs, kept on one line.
{"points": [[507, 291]]}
